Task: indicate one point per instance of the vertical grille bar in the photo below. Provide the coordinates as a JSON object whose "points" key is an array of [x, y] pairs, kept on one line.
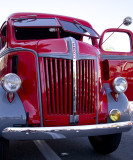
{"points": [[61, 86], [65, 85], [52, 86], [90, 85], [80, 86], [93, 86], [69, 86], [87, 85], [48, 85], [56, 86], [84, 69]]}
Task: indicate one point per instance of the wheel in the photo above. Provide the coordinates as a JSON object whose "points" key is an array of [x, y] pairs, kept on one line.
{"points": [[4, 149], [105, 144]]}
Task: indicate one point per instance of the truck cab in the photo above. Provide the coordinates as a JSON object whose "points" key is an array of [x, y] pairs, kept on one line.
{"points": [[55, 84]]}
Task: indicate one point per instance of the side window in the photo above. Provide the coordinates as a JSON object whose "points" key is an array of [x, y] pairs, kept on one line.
{"points": [[22, 33], [116, 42], [3, 38], [87, 40]]}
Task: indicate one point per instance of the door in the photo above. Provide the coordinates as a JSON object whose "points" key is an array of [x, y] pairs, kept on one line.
{"points": [[116, 47]]}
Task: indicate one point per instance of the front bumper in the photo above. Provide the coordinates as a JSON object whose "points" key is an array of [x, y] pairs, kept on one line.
{"points": [[36, 133]]}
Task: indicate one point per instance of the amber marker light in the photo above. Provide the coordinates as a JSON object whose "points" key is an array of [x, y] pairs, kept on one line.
{"points": [[114, 115]]}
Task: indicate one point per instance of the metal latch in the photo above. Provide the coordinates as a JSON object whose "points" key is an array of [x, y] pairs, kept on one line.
{"points": [[74, 119]]}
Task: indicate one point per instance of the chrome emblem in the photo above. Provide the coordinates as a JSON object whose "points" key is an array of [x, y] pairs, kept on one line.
{"points": [[74, 50]]}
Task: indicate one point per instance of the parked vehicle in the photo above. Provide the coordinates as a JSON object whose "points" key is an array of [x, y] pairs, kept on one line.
{"points": [[54, 85]]}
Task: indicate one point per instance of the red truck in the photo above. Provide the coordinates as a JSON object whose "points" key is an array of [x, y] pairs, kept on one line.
{"points": [[54, 85]]}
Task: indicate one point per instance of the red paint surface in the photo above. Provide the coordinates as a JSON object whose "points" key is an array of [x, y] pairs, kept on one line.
{"points": [[86, 49], [54, 45]]}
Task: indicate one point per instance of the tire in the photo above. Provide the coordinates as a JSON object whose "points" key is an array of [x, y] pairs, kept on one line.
{"points": [[4, 149], [105, 144]]}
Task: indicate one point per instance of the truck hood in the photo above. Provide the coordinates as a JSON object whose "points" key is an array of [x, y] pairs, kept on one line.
{"points": [[64, 46], [55, 46]]}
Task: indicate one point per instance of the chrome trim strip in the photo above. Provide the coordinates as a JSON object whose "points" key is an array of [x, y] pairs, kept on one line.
{"points": [[74, 87], [99, 54], [97, 84], [74, 118], [82, 57], [97, 88], [65, 56], [74, 51], [117, 57], [54, 55], [34, 133], [9, 50]]}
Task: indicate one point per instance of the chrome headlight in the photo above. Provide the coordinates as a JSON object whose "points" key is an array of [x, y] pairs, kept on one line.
{"points": [[11, 82], [120, 85]]}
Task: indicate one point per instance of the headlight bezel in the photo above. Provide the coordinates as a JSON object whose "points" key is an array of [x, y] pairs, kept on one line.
{"points": [[11, 82], [115, 85]]}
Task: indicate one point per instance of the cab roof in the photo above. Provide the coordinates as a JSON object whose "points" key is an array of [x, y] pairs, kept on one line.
{"points": [[45, 15]]}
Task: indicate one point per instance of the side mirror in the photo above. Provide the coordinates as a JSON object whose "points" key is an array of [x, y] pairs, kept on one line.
{"points": [[127, 21]]}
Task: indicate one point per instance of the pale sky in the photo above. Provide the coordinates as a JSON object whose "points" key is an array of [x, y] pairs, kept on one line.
{"points": [[102, 14]]}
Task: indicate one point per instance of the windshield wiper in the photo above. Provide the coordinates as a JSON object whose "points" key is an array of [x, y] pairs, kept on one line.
{"points": [[80, 25], [32, 17]]}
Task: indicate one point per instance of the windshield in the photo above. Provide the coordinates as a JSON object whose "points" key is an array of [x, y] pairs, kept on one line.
{"points": [[48, 28], [29, 22], [78, 28]]}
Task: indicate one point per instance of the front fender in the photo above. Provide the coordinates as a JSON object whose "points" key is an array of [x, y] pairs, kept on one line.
{"points": [[11, 114], [122, 105]]}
